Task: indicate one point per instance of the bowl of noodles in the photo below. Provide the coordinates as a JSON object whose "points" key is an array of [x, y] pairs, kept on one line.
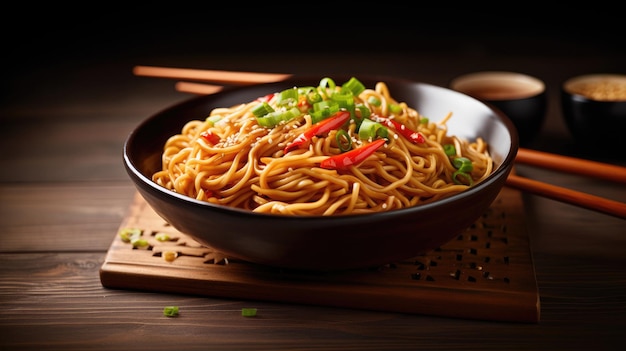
{"points": [[323, 173]]}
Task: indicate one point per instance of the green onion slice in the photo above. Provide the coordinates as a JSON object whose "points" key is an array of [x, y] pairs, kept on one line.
{"points": [[274, 118], [354, 86], [463, 164], [287, 97], [462, 178], [364, 111], [373, 100], [325, 85], [323, 110], [248, 312], [139, 242], [344, 142], [449, 149], [170, 311], [162, 237], [311, 94], [395, 108], [129, 234], [345, 101], [213, 119], [262, 109], [370, 129]]}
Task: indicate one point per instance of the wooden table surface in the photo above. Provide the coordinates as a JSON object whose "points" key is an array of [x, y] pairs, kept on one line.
{"points": [[69, 102]]}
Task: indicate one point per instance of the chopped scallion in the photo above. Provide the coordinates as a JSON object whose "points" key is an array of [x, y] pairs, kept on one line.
{"points": [[462, 178], [395, 108], [344, 100], [139, 242], [344, 142], [354, 86], [463, 164], [288, 97], [325, 85], [274, 118], [213, 119], [311, 94], [373, 100], [128, 234], [449, 149], [323, 110], [364, 111], [162, 237], [262, 109], [248, 312], [170, 311], [370, 130]]}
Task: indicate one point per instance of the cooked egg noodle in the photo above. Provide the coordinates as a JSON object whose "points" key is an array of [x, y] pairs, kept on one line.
{"points": [[247, 168]]}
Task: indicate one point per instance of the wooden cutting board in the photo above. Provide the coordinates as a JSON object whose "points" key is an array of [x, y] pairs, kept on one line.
{"points": [[485, 273]]}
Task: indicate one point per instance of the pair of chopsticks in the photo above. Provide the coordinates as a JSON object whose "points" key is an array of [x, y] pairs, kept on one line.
{"points": [[203, 75], [546, 160], [570, 165]]}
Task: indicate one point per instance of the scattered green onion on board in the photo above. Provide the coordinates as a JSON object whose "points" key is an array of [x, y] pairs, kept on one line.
{"points": [[128, 234], [248, 312], [162, 237], [170, 311]]}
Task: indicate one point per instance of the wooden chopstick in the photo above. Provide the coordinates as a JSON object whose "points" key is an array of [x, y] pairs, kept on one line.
{"points": [[571, 165], [573, 197], [524, 156], [218, 76], [197, 88]]}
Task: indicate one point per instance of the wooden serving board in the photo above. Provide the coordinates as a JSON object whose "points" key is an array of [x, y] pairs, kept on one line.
{"points": [[485, 273]]}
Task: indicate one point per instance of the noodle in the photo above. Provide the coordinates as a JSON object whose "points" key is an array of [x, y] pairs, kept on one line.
{"points": [[247, 166]]}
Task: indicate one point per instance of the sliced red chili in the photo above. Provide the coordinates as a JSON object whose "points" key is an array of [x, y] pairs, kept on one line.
{"points": [[414, 136], [266, 98], [333, 122], [352, 157], [210, 137]]}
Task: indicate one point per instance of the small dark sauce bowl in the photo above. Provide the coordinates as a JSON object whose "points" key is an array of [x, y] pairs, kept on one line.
{"points": [[522, 98], [594, 110]]}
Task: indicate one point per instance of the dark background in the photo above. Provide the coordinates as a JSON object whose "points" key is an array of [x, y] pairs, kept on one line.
{"points": [[55, 55]]}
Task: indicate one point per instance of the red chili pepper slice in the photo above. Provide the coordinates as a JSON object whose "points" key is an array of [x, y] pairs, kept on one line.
{"points": [[303, 105], [333, 122], [414, 136], [352, 157], [266, 98], [210, 137]]}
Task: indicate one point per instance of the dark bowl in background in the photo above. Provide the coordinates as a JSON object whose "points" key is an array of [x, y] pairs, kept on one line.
{"points": [[521, 97], [594, 109], [325, 243]]}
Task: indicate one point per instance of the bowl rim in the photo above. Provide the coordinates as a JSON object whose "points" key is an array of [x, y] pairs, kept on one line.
{"points": [[568, 85], [532, 85], [504, 166]]}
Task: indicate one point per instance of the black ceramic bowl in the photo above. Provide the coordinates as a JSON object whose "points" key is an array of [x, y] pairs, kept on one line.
{"points": [[522, 98], [594, 109], [325, 243]]}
